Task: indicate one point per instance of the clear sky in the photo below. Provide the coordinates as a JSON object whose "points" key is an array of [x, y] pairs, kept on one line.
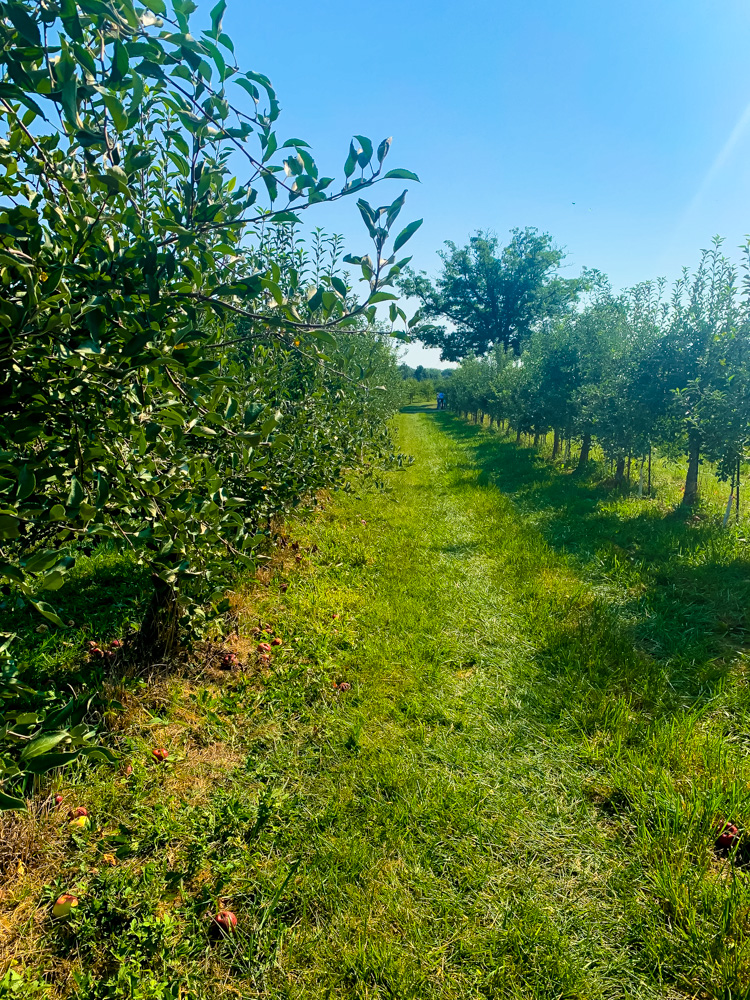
{"points": [[623, 129]]}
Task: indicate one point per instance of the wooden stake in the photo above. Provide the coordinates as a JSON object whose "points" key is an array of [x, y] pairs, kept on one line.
{"points": [[737, 503]]}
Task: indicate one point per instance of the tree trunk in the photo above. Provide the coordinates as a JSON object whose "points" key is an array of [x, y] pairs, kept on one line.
{"points": [[556, 444], [536, 439], [620, 471], [567, 449], [737, 505], [583, 458], [691, 480], [158, 634], [518, 437], [728, 511]]}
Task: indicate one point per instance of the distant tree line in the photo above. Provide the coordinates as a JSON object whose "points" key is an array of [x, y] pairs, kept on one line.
{"points": [[643, 367], [421, 374]]}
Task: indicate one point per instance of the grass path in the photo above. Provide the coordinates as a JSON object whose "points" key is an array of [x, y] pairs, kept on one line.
{"points": [[495, 811], [513, 799]]}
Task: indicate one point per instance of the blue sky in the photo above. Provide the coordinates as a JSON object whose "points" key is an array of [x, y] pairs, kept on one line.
{"points": [[622, 129]]}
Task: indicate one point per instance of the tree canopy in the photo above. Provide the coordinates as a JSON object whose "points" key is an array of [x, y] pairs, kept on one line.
{"points": [[490, 296], [146, 204]]}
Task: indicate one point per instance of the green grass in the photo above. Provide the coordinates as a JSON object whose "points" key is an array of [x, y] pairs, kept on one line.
{"points": [[518, 796]]}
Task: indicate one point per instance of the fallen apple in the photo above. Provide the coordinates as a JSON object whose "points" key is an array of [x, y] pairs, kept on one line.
{"points": [[727, 838], [78, 811], [264, 647], [345, 686], [160, 754], [226, 921], [80, 823], [58, 800], [276, 641], [64, 905]]}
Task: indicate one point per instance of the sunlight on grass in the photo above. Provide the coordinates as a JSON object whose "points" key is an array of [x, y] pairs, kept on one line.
{"points": [[472, 769]]}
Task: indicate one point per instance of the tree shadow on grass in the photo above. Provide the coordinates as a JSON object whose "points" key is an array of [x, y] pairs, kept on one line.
{"points": [[104, 596], [679, 584], [418, 408]]}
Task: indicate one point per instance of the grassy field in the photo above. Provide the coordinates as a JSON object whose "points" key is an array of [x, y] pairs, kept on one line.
{"points": [[490, 759]]}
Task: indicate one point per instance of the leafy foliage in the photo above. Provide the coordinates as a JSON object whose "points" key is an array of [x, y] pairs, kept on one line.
{"points": [[489, 296], [632, 370], [129, 252], [170, 375]]}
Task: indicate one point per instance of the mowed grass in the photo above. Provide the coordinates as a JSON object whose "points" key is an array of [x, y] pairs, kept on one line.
{"points": [[517, 796]]}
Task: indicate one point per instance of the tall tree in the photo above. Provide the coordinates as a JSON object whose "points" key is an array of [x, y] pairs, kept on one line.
{"points": [[491, 296], [132, 260], [704, 362]]}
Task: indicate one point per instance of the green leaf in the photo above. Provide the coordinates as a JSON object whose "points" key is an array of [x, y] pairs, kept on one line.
{"points": [[324, 337], [24, 24], [99, 753], [26, 483], [9, 526], [42, 745], [52, 581], [69, 15], [217, 15], [76, 495], [40, 763], [102, 491], [364, 157], [383, 148], [120, 62], [9, 802], [42, 561], [406, 234], [10, 92], [401, 175], [381, 297], [351, 161], [117, 111], [49, 613]]}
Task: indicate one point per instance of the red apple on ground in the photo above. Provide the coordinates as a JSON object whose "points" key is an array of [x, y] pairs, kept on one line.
{"points": [[727, 838], [160, 754], [78, 811], [64, 904], [345, 686], [264, 647], [58, 800], [276, 641], [226, 921]]}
